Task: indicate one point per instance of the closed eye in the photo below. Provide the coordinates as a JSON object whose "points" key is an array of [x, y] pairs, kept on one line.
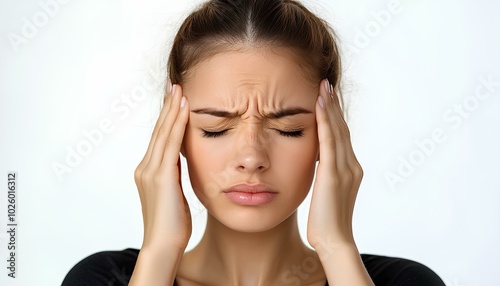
{"points": [[209, 134], [296, 133]]}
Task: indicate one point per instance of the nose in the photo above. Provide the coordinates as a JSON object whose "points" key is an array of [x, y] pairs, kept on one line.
{"points": [[252, 152]]}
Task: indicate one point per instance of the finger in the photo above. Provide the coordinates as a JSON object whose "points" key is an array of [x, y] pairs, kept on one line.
{"points": [[325, 134], [165, 129], [163, 114], [174, 141], [346, 134], [346, 157], [139, 172], [337, 137]]}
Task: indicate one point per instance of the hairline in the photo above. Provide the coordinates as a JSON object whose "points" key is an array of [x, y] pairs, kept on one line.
{"points": [[222, 47]]}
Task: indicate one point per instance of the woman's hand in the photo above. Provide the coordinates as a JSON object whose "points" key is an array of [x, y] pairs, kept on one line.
{"points": [[167, 220], [166, 215], [339, 174]]}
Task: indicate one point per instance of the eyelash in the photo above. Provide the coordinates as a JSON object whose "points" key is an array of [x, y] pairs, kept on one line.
{"points": [[208, 134], [296, 133]]}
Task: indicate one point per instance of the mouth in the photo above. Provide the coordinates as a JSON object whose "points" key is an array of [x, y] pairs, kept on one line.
{"points": [[250, 195]]}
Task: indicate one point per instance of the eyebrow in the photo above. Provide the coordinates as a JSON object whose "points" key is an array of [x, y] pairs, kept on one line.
{"points": [[272, 115]]}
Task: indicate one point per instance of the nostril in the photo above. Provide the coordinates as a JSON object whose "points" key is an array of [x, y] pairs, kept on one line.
{"points": [[251, 159], [243, 168]]}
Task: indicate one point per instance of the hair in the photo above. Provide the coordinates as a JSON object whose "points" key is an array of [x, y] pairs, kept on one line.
{"points": [[221, 25]]}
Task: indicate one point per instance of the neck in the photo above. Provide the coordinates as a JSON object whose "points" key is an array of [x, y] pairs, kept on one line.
{"points": [[251, 258]]}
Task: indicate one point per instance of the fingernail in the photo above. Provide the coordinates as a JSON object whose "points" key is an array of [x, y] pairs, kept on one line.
{"points": [[321, 102], [169, 86], [331, 89], [183, 101], [327, 86]]}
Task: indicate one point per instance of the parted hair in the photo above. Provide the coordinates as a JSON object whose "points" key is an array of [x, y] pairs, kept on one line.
{"points": [[222, 25]]}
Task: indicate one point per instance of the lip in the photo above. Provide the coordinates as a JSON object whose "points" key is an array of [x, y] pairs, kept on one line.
{"points": [[250, 195]]}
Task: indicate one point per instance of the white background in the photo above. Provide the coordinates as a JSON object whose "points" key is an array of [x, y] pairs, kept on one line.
{"points": [[405, 78]]}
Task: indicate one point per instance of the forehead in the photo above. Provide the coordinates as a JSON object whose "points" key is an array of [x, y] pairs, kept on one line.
{"points": [[259, 71]]}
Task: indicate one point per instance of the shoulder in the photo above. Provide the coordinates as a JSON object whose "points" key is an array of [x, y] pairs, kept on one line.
{"points": [[103, 268], [393, 271]]}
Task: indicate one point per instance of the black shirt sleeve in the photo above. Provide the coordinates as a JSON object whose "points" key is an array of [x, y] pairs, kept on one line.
{"points": [[106, 268], [114, 268], [392, 271]]}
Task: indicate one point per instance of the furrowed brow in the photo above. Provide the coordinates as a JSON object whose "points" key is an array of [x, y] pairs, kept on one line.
{"points": [[287, 112], [215, 112], [272, 115]]}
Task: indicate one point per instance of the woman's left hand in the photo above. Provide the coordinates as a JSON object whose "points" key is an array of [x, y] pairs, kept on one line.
{"points": [[338, 176]]}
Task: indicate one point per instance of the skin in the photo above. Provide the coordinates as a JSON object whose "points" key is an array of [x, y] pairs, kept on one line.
{"points": [[250, 245]]}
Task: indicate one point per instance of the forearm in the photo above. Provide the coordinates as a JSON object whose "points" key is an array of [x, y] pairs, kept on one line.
{"points": [[343, 265], [154, 267]]}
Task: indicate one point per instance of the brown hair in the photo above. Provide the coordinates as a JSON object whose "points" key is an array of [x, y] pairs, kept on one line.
{"points": [[218, 26]]}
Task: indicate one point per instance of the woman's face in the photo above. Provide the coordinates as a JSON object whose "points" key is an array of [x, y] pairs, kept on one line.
{"points": [[252, 121]]}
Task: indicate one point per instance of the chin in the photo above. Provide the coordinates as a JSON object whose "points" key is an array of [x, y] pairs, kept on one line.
{"points": [[250, 219]]}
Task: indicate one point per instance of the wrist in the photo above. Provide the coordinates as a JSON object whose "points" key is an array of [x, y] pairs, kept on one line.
{"points": [[164, 242], [325, 247], [156, 265], [162, 250], [329, 240]]}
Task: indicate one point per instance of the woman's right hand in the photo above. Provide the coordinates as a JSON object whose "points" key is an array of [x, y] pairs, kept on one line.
{"points": [[166, 215]]}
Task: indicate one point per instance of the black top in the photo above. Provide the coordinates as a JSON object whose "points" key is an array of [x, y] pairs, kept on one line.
{"points": [[108, 268]]}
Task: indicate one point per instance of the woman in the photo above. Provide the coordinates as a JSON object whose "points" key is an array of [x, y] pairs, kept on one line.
{"points": [[252, 103]]}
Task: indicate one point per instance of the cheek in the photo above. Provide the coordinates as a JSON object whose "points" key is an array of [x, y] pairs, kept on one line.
{"points": [[300, 150], [204, 161], [195, 157], [295, 163]]}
